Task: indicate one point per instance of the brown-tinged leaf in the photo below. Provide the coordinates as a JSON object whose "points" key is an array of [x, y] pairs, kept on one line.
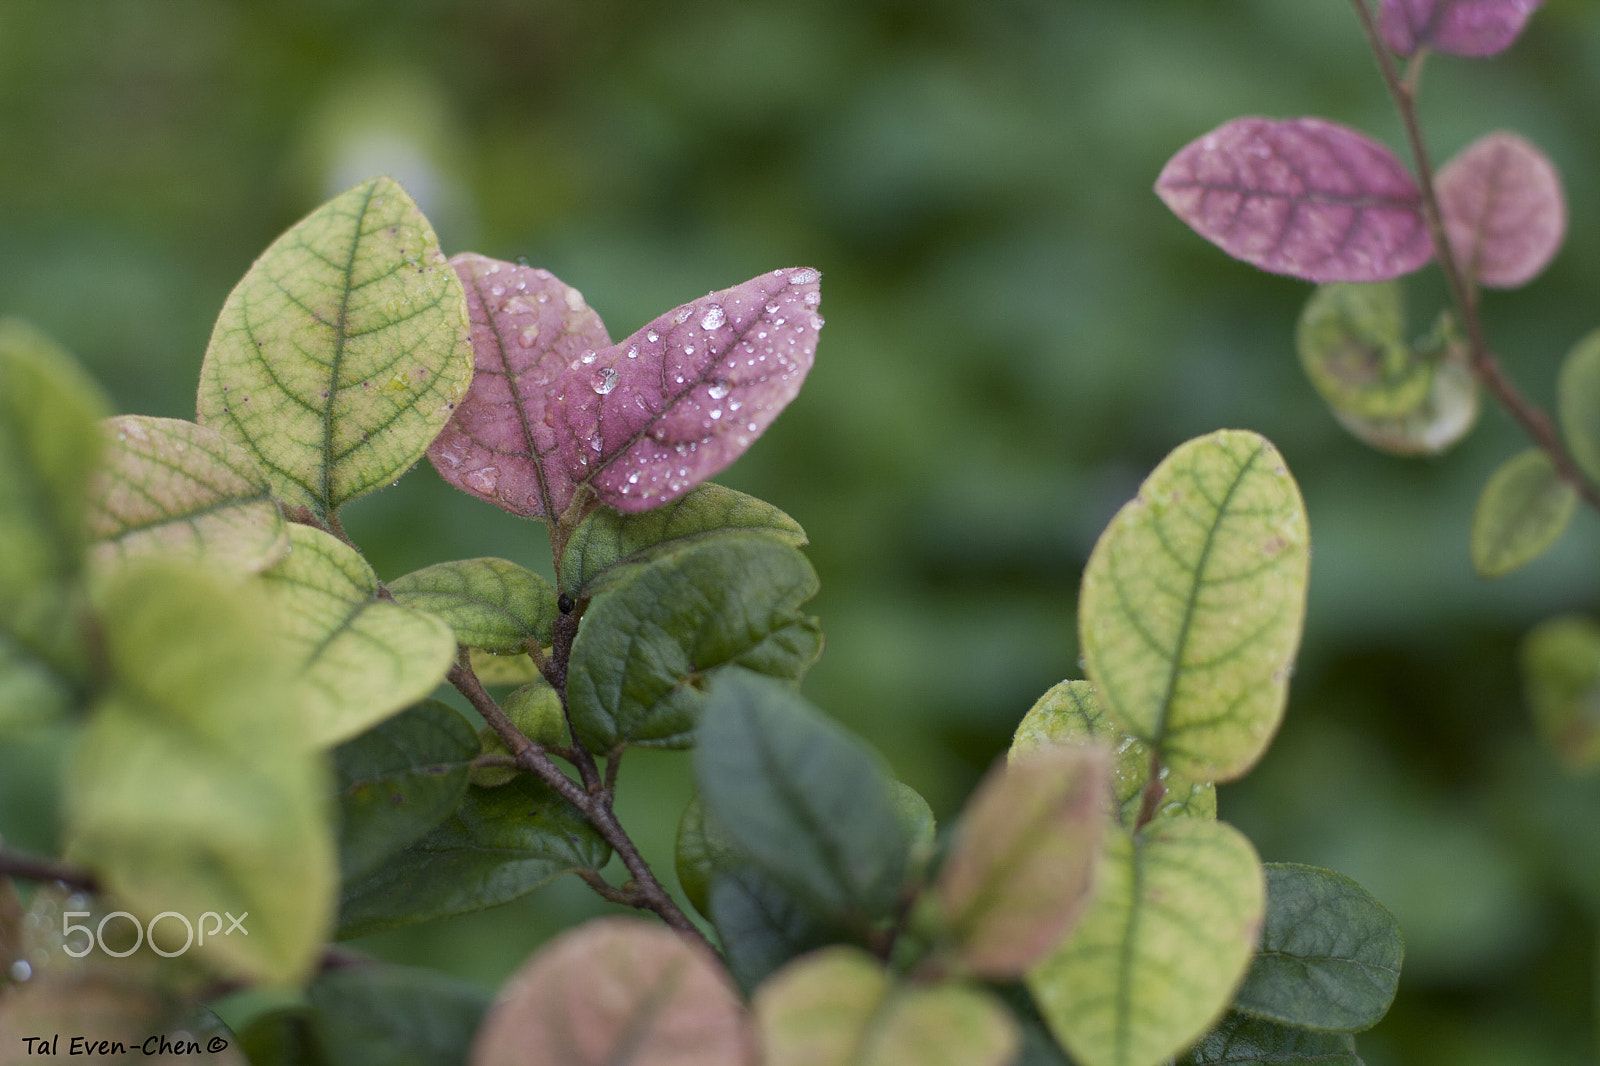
{"points": [[172, 487], [1303, 197], [619, 991], [1020, 870], [556, 405], [1504, 210]]}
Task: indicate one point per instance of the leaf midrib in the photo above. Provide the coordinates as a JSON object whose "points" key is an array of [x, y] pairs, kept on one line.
{"points": [[341, 337]]}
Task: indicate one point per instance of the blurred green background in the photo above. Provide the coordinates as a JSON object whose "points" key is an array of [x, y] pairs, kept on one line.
{"points": [[1017, 332]]}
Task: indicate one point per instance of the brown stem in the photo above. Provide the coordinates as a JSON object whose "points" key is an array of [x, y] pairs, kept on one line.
{"points": [[1154, 791], [1533, 420], [44, 870], [595, 806], [606, 890]]}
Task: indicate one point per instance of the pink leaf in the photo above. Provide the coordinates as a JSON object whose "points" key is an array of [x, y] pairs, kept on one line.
{"points": [[1460, 27], [1303, 197], [617, 990], [1503, 208], [554, 404]]}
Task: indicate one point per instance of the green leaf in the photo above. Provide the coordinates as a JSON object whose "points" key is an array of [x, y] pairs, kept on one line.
{"points": [[619, 991], [1193, 602], [648, 648], [1578, 403], [1330, 953], [1524, 509], [1167, 938], [398, 780], [917, 819], [1447, 415], [1351, 345], [1244, 1041], [761, 925], [1068, 714], [1019, 870], [495, 669], [362, 658], [169, 487], [192, 788], [380, 1015], [499, 845], [801, 797], [49, 446], [342, 353], [490, 603], [702, 849], [609, 545], [1561, 679], [280, 1038], [839, 1007]]}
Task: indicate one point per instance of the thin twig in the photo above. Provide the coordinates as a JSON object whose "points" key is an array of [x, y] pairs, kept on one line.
{"points": [[647, 893], [606, 890], [1533, 420], [45, 870]]}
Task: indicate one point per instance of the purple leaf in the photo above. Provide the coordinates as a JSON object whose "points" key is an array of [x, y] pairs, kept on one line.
{"points": [[1303, 197], [1460, 27], [1503, 208], [554, 404]]}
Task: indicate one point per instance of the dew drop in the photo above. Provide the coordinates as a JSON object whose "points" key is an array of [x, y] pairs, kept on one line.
{"points": [[804, 276], [682, 316], [529, 336], [633, 478], [575, 300], [713, 317], [716, 414], [772, 308], [813, 298], [633, 351], [718, 390], [483, 480], [652, 336], [734, 405], [522, 260], [21, 970], [497, 290], [751, 427], [688, 349], [587, 357], [605, 381], [817, 321]]}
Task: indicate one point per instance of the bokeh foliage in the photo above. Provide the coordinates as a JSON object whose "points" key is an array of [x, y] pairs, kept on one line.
{"points": [[1018, 332]]}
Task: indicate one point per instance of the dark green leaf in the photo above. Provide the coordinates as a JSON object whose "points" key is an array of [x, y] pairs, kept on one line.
{"points": [[1561, 676], [801, 797], [1244, 1041], [1329, 957], [398, 780], [761, 925], [281, 1038], [499, 845], [609, 545], [648, 648], [383, 1015], [1578, 401], [50, 442], [702, 849], [1524, 509], [490, 603]]}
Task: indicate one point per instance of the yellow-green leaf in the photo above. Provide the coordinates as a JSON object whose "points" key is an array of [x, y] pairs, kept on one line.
{"points": [[493, 669], [1193, 602], [1351, 344], [1019, 870], [1578, 401], [490, 603], [362, 658], [1170, 934], [49, 446], [192, 788], [839, 1007], [1523, 510], [1447, 414], [169, 487], [1561, 676], [343, 351], [1068, 714]]}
